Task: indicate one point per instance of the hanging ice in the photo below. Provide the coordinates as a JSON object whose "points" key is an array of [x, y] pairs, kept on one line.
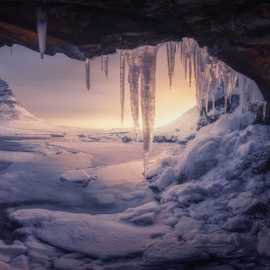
{"points": [[214, 79], [133, 80], [148, 89], [142, 83], [106, 65], [171, 50], [122, 85], [87, 73], [101, 63], [42, 31]]}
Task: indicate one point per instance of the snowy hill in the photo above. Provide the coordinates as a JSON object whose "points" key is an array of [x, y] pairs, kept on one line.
{"points": [[10, 109], [183, 125]]}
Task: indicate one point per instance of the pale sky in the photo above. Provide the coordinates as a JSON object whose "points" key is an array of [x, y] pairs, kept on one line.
{"points": [[54, 89]]}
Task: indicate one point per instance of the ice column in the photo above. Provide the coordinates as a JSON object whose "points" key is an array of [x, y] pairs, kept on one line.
{"points": [[133, 80], [214, 79], [148, 89], [171, 50], [106, 65], [42, 31], [122, 84], [87, 73]]}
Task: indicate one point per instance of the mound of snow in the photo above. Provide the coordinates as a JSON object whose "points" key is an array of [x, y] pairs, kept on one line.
{"points": [[94, 235], [216, 196], [182, 127]]}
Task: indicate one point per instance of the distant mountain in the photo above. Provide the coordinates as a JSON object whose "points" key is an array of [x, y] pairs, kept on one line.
{"points": [[10, 109]]}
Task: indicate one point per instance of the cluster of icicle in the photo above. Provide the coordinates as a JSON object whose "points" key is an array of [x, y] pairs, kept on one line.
{"points": [[104, 68], [214, 79], [141, 63]]}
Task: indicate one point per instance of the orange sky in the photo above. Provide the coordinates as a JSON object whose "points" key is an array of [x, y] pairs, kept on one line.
{"points": [[54, 89]]}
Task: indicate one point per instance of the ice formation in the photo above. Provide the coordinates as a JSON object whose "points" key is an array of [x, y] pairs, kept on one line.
{"points": [[42, 31], [148, 89], [106, 65], [122, 84], [215, 80], [215, 83], [133, 80], [141, 72], [87, 73], [171, 51], [101, 63]]}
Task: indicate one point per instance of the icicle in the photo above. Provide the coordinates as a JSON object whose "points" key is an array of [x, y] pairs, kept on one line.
{"points": [[195, 63], [87, 73], [190, 72], [212, 75], [171, 50], [106, 65], [181, 52], [133, 79], [122, 85], [185, 66], [101, 63], [148, 88], [42, 31]]}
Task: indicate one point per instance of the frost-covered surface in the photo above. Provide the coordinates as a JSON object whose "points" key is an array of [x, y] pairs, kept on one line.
{"points": [[210, 211], [215, 195]]}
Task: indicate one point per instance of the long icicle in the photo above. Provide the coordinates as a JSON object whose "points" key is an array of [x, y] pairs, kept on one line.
{"points": [[122, 84], [42, 31], [148, 89], [171, 51], [133, 79], [106, 65], [87, 73]]}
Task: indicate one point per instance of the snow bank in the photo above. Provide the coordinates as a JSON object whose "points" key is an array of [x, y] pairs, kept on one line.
{"points": [[215, 194], [95, 236]]}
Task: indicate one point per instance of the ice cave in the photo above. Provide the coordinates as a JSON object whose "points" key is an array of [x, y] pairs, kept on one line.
{"points": [[134, 135]]}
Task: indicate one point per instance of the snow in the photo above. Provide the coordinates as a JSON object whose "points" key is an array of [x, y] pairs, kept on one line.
{"points": [[96, 236], [200, 213], [182, 128]]}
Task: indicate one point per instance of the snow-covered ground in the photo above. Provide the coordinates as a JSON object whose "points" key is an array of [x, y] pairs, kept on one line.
{"points": [[80, 176], [78, 200], [75, 204], [74, 176]]}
